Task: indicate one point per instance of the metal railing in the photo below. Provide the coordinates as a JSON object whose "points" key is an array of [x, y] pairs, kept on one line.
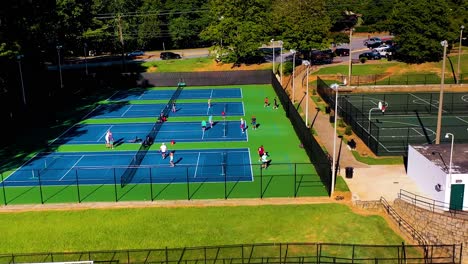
{"points": [[402, 224], [431, 204]]}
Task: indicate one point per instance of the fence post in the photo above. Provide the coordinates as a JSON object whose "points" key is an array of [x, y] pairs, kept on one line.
{"points": [[242, 248], [188, 184], [40, 186], [115, 187], [3, 188], [280, 255], [295, 181], [225, 181], [167, 256], [261, 182], [77, 186], [151, 184]]}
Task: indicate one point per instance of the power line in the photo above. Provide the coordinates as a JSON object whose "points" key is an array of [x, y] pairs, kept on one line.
{"points": [[149, 13]]}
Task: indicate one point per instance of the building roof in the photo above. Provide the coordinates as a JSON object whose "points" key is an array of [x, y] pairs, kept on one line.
{"points": [[440, 156]]}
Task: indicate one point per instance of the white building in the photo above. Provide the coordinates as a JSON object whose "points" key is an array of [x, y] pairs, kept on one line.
{"points": [[428, 166]]}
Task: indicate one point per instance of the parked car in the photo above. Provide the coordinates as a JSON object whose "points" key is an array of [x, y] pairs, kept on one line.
{"points": [[370, 55], [135, 53], [167, 55], [341, 52], [382, 50], [372, 41], [321, 57]]}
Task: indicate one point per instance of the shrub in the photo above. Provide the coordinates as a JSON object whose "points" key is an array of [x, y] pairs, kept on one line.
{"points": [[314, 92], [341, 123], [363, 60], [348, 130]]}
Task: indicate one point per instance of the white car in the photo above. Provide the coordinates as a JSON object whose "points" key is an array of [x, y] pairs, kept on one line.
{"points": [[372, 41], [382, 50]]}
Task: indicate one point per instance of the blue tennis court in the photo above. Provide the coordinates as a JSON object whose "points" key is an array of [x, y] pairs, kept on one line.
{"points": [[178, 131], [153, 110], [57, 168], [185, 94]]}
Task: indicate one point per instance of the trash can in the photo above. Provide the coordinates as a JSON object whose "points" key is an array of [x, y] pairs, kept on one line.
{"points": [[349, 172], [327, 110], [332, 118]]}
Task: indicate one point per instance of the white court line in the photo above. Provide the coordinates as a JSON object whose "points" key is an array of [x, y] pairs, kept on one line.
{"points": [[108, 99], [124, 113], [251, 165], [463, 120], [196, 167], [222, 164], [211, 94], [72, 167], [243, 109], [415, 130], [241, 94], [427, 102]]}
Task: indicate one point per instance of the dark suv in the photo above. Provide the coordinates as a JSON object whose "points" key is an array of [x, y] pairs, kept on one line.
{"points": [[341, 52], [370, 55], [167, 55]]}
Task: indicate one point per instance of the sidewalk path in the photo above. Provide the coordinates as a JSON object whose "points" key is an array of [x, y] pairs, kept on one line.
{"points": [[368, 182]]}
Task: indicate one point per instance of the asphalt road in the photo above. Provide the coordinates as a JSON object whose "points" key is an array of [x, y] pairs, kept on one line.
{"points": [[357, 47]]}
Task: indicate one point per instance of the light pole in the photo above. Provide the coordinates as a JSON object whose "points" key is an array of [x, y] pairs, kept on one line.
{"points": [[273, 48], [19, 57], [334, 87], [441, 96], [459, 53], [307, 63], [281, 61], [59, 47], [293, 74], [350, 57], [85, 58], [451, 154]]}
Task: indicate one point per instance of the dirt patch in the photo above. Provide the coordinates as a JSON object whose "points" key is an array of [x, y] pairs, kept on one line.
{"points": [[214, 66]]}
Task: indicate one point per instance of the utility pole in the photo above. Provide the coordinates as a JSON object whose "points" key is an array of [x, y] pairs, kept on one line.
{"points": [[119, 26]]}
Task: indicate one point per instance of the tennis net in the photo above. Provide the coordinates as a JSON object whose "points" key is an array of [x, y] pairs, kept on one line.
{"points": [[130, 171]]}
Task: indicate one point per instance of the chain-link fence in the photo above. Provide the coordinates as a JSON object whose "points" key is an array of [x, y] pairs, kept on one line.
{"points": [[274, 253]]}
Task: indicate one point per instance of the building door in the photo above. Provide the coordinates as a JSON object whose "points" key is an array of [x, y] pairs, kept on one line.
{"points": [[456, 196]]}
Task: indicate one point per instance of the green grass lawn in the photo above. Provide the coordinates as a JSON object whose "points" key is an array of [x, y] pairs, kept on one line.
{"points": [[82, 230]]}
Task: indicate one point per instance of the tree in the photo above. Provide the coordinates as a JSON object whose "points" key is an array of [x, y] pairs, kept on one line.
{"points": [[186, 19], [239, 25], [302, 24], [420, 26]]}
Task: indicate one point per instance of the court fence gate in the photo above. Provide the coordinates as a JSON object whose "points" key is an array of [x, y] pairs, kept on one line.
{"points": [[266, 253]]}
